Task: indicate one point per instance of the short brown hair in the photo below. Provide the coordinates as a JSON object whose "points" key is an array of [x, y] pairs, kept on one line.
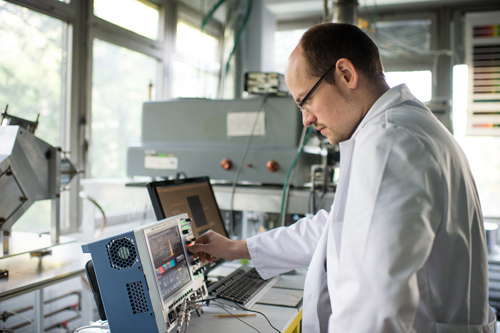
{"points": [[325, 43]]}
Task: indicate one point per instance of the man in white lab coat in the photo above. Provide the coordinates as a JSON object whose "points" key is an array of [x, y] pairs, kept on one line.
{"points": [[403, 247]]}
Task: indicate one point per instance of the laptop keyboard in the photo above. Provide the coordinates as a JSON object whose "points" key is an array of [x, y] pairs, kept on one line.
{"points": [[240, 286]]}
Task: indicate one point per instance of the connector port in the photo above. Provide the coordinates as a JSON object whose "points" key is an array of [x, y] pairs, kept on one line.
{"points": [[171, 317]]}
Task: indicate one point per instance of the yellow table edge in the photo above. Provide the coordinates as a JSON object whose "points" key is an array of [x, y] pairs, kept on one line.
{"points": [[295, 325]]}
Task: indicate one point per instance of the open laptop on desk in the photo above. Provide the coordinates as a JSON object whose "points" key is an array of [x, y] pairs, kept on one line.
{"points": [[195, 197]]}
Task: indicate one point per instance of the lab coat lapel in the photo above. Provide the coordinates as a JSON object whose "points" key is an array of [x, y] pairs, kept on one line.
{"points": [[339, 203], [335, 230], [314, 282]]}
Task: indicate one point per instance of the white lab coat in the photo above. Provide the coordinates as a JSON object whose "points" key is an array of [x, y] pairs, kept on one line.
{"points": [[404, 241]]}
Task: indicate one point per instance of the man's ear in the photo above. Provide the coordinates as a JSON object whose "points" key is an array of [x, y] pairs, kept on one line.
{"points": [[346, 73]]}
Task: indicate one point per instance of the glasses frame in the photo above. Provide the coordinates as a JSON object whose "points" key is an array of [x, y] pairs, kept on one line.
{"points": [[308, 95]]}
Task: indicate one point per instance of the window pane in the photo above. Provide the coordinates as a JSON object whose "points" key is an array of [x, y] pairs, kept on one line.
{"points": [[120, 83], [402, 38], [195, 43], [32, 66], [284, 43], [197, 74], [138, 16], [32, 58], [480, 150], [191, 82], [419, 82]]}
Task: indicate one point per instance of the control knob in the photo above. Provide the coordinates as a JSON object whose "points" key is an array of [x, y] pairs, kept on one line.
{"points": [[272, 166], [226, 164]]}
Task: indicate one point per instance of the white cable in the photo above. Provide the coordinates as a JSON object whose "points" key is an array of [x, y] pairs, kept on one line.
{"points": [[98, 233], [104, 326]]}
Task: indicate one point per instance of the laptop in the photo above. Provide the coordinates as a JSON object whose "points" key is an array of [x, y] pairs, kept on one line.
{"points": [[193, 196]]}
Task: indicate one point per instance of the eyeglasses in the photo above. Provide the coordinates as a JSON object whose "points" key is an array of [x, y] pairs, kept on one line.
{"points": [[304, 100]]}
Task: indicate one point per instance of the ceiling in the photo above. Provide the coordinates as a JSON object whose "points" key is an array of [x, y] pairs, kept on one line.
{"points": [[291, 9]]}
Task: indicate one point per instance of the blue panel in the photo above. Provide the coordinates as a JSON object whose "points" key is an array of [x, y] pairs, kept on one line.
{"points": [[122, 283]]}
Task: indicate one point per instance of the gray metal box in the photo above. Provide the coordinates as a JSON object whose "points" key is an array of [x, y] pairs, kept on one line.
{"points": [[193, 136]]}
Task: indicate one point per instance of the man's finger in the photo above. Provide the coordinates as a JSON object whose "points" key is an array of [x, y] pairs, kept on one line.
{"points": [[197, 248]]}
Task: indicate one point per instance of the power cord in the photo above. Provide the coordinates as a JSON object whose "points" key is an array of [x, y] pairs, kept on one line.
{"points": [[103, 326], [104, 223], [242, 161]]}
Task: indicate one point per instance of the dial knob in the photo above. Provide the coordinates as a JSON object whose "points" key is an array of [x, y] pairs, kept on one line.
{"points": [[272, 166], [226, 164]]}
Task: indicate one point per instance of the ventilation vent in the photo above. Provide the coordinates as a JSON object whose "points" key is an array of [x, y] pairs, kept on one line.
{"points": [[122, 253], [483, 59], [137, 297]]}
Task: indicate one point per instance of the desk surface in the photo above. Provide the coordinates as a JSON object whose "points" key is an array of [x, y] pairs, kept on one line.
{"points": [[31, 273], [280, 317]]}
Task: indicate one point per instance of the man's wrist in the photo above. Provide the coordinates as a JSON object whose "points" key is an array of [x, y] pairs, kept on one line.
{"points": [[240, 249]]}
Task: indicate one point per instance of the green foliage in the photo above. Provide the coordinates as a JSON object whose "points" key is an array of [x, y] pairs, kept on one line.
{"points": [[31, 63], [120, 80]]}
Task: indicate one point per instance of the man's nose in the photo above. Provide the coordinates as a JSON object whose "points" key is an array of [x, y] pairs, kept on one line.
{"points": [[308, 118]]}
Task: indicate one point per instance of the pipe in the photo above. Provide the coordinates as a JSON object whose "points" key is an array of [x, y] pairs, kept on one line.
{"points": [[68, 308], [74, 307], [78, 293], [345, 11]]}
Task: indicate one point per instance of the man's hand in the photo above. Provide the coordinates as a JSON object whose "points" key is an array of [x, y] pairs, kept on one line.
{"points": [[212, 246]]}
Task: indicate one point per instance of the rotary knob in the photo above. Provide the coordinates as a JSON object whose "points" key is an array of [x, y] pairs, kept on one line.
{"points": [[272, 166], [226, 164]]}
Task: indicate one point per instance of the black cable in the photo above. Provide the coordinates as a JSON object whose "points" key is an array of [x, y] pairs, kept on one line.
{"points": [[306, 131], [220, 306], [240, 166], [322, 197], [313, 203], [245, 309], [309, 201]]}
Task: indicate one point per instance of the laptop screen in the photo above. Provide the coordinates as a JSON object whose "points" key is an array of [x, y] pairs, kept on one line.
{"points": [[193, 196]]}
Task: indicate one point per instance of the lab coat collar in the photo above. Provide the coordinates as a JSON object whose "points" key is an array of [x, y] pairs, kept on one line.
{"points": [[392, 97]]}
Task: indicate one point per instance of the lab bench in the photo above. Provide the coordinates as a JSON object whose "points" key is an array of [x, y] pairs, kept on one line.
{"points": [[287, 319]]}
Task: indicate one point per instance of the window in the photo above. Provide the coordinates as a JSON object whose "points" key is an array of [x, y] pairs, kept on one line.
{"points": [[126, 72], [138, 16], [402, 38], [196, 66], [192, 82], [32, 59], [419, 82], [33, 64], [284, 43], [120, 84], [480, 150], [406, 49]]}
